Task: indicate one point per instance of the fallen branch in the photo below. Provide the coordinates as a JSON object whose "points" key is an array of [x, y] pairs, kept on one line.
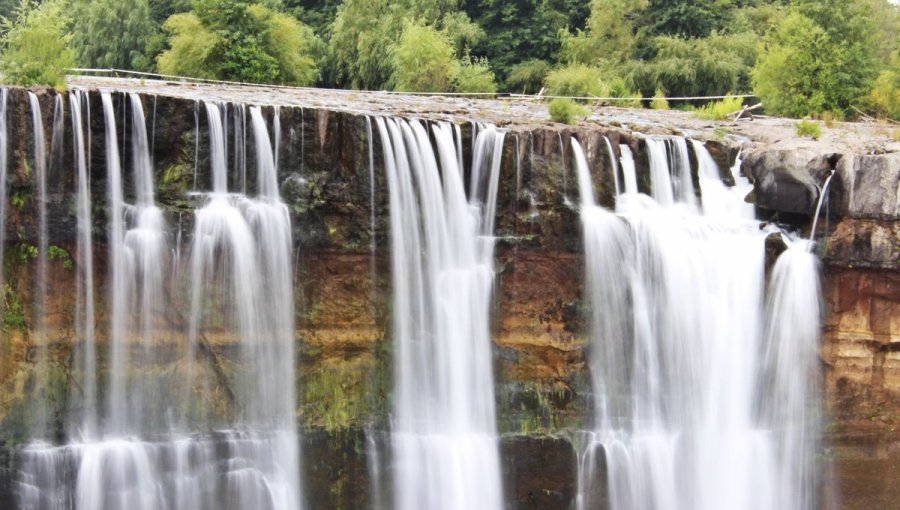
{"points": [[740, 113]]}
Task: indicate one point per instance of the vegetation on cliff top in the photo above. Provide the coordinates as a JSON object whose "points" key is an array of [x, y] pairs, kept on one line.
{"points": [[800, 57]]}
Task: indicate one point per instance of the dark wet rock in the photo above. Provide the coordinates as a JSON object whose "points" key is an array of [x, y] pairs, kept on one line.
{"points": [[539, 472]]}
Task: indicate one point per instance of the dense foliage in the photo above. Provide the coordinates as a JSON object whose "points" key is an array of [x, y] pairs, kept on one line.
{"points": [[236, 40], [113, 34], [800, 57]]}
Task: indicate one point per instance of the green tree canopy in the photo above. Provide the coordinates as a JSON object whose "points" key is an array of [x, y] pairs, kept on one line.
{"points": [[35, 46], [687, 18], [423, 60], [519, 31], [236, 40], [710, 66], [609, 36], [819, 58]]}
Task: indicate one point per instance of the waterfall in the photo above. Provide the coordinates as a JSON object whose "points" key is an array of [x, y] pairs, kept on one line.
{"points": [[629, 175], [373, 245], [681, 164], [720, 200], [116, 400], [39, 312], [84, 424], [613, 164], [678, 334], [147, 447], [660, 177], [444, 432]]}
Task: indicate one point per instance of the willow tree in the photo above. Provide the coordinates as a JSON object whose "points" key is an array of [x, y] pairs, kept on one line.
{"points": [[113, 34]]}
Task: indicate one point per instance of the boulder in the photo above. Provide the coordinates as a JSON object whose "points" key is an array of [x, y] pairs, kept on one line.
{"points": [[868, 186], [783, 179]]}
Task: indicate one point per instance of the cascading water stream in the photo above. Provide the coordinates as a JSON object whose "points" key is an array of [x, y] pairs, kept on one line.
{"points": [[678, 334], [40, 424], [84, 423], [613, 163], [681, 166], [134, 451], [444, 431], [629, 174]]}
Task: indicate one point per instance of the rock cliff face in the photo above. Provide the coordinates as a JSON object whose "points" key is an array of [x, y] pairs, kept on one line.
{"points": [[339, 216]]}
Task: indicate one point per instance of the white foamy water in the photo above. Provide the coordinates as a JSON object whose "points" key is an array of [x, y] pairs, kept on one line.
{"points": [[444, 433], [702, 399]]}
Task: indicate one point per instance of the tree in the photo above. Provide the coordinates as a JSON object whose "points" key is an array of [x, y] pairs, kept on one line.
{"points": [[820, 58], [360, 51], [686, 18], [710, 66], [609, 36], [35, 45], [423, 60], [474, 75], [519, 31], [113, 34], [234, 40]]}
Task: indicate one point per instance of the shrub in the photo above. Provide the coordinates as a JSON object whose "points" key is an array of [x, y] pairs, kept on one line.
{"points": [[566, 111], [809, 128], [527, 77], [36, 47], [719, 110], [474, 75], [577, 80], [659, 100], [619, 89]]}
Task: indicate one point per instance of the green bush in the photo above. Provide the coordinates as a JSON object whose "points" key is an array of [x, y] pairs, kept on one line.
{"points": [[527, 77], [619, 89], [719, 110], [474, 75], [35, 45], [423, 60], [577, 80], [566, 111], [809, 128], [659, 100]]}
